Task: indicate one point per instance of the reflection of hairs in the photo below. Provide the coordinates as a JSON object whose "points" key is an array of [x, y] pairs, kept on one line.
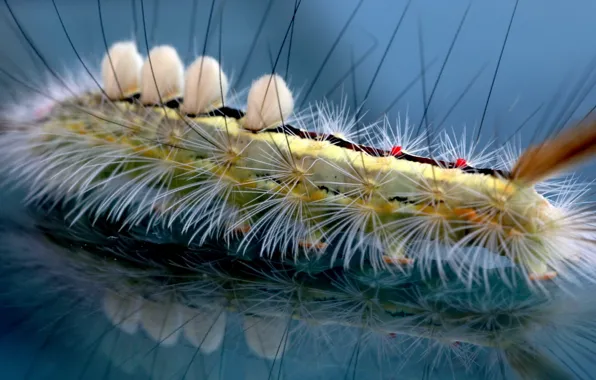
{"points": [[529, 363], [177, 295]]}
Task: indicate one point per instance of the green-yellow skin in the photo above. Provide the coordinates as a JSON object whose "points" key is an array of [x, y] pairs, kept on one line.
{"points": [[319, 176], [304, 170]]}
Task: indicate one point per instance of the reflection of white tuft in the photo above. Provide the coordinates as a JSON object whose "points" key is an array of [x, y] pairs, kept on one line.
{"points": [[204, 329], [268, 338], [124, 312], [162, 322]]}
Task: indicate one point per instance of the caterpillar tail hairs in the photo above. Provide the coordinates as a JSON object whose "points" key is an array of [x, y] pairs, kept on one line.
{"points": [[569, 148]]}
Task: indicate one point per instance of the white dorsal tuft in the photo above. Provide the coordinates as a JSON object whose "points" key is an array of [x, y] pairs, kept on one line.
{"points": [[206, 86], [270, 102], [162, 76], [121, 70]]}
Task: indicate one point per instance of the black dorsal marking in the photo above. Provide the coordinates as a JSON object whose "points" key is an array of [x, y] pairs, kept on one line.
{"points": [[375, 152]]}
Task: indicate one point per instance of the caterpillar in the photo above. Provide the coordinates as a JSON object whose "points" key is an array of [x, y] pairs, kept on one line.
{"points": [[186, 217], [222, 171]]}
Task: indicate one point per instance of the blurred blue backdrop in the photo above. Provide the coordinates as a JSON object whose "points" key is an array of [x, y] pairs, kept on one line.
{"points": [[548, 50]]}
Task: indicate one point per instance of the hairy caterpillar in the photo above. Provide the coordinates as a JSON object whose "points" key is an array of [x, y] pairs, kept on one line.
{"points": [[223, 171], [142, 176]]}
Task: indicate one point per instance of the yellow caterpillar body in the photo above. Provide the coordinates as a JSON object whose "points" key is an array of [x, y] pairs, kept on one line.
{"points": [[164, 144], [326, 184]]}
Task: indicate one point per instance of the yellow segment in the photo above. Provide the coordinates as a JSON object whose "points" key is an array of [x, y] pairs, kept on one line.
{"points": [[320, 176]]}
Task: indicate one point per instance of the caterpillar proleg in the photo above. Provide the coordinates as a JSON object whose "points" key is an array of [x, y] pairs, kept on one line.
{"points": [[182, 226]]}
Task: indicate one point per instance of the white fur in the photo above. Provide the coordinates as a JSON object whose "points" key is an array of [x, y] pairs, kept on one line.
{"points": [[205, 86], [121, 70], [162, 76], [270, 102]]}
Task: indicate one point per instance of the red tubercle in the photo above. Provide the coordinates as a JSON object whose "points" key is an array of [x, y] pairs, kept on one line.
{"points": [[392, 335], [396, 150], [461, 163]]}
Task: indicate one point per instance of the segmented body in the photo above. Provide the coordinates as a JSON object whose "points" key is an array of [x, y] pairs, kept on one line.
{"points": [[327, 185]]}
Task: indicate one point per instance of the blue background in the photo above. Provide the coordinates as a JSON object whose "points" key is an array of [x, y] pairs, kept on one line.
{"points": [[548, 51]]}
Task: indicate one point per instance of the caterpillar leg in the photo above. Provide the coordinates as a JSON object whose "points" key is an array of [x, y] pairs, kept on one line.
{"points": [[312, 244], [547, 276], [314, 241], [243, 228], [396, 255], [539, 271], [398, 260]]}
